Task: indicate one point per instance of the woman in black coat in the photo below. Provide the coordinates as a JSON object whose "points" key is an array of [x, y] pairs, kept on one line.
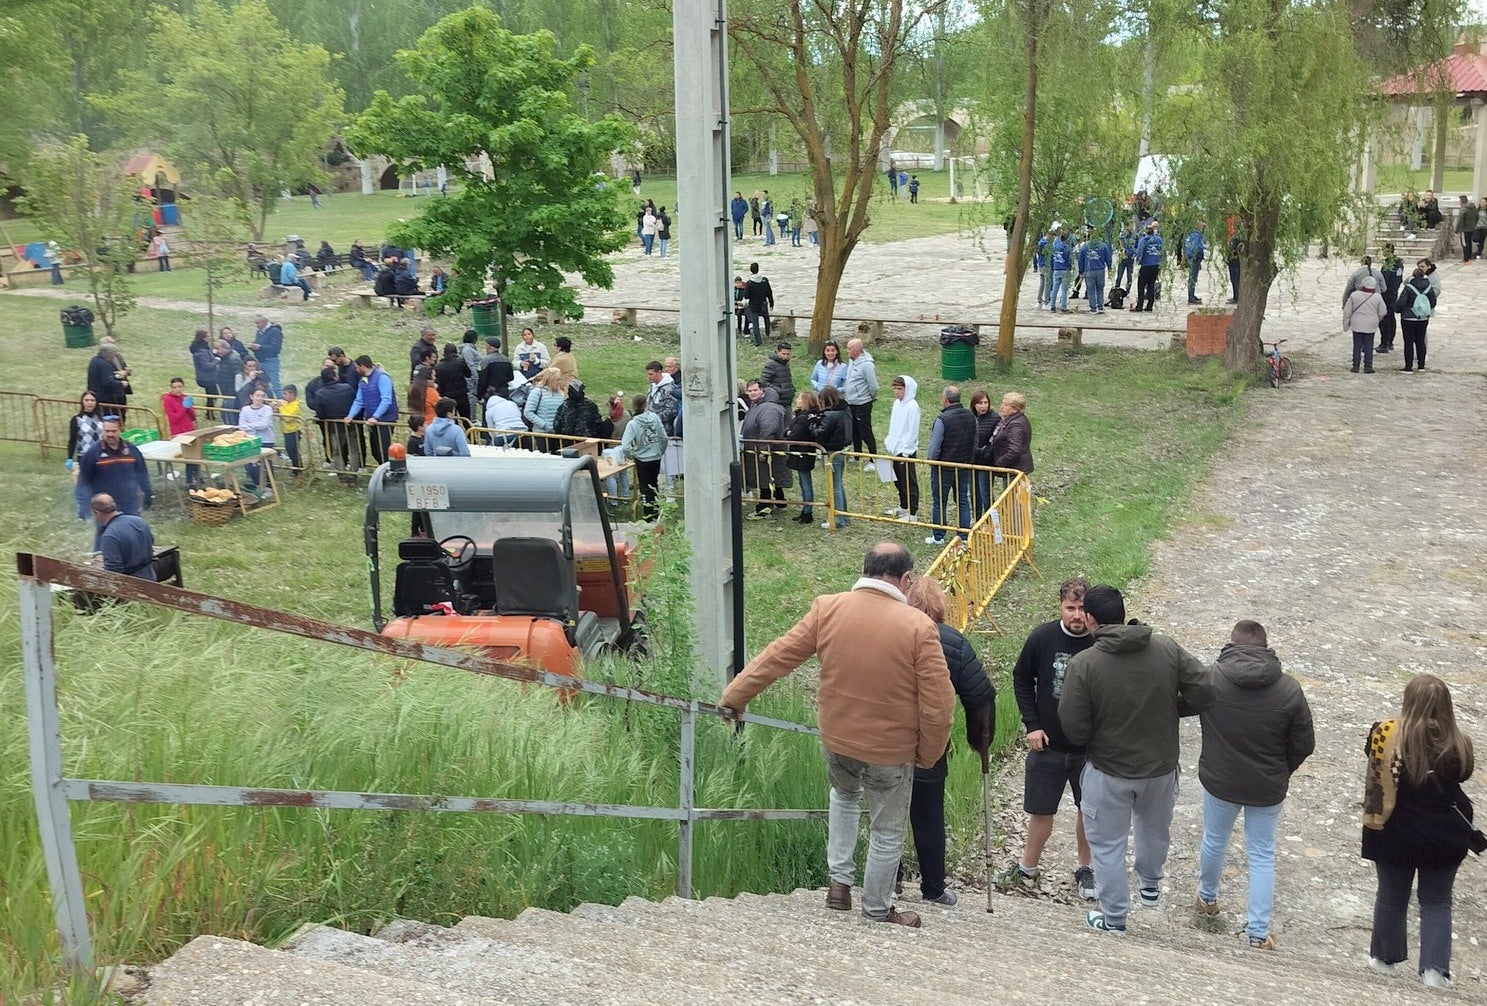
{"points": [[1416, 822], [802, 460], [1012, 444], [987, 421], [978, 696], [451, 376], [834, 433]]}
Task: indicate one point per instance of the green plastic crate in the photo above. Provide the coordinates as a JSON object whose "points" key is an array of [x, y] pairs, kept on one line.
{"points": [[141, 436], [232, 452]]}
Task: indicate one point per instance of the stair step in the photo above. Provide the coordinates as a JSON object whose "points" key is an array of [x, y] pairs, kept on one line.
{"points": [[216, 971], [463, 962]]}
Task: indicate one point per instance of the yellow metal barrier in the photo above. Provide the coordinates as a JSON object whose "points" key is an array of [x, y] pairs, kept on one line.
{"points": [[973, 572]]}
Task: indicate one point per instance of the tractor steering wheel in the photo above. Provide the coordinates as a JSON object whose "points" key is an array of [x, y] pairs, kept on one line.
{"points": [[461, 549]]}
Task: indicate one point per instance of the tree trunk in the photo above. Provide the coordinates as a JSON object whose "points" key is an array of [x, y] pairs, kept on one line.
{"points": [[832, 263], [1012, 280], [1257, 271]]}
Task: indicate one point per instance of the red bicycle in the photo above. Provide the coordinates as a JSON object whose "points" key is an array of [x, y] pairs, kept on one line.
{"points": [[1277, 367]]}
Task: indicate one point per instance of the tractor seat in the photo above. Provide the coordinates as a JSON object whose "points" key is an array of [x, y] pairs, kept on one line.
{"points": [[423, 578], [533, 577]]}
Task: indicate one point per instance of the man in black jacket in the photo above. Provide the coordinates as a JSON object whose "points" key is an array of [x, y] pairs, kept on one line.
{"points": [[759, 302], [496, 372], [952, 438], [1255, 735], [331, 402], [1053, 761]]}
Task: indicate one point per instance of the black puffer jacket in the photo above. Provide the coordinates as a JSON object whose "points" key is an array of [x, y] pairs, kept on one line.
{"points": [[835, 429], [578, 416], [803, 429], [985, 429], [972, 686]]}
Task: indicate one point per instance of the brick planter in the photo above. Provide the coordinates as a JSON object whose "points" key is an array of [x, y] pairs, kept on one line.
{"points": [[1208, 332]]}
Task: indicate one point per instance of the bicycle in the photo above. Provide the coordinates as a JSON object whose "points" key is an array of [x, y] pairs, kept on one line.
{"points": [[1278, 367]]}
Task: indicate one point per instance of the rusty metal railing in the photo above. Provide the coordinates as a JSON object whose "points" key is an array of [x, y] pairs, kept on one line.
{"points": [[53, 791]]}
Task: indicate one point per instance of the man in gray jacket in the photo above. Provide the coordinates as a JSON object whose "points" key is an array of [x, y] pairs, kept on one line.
{"points": [[1255, 735], [860, 391], [1122, 700]]}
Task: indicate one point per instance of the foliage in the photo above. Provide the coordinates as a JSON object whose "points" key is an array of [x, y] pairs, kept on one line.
{"points": [[83, 201], [831, 71], [217, 226], [228, 87], [535, 210]]}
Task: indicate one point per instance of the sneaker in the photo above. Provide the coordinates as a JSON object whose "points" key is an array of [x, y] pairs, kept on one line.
{"points": [[947, 899], [893, 511], [1097, 920], [756, 515], [1084, 883], [826, 525], [1435, 979], [910, 518], [932, 540], [1380, 966], [868, 466], [1151, 897], [1267, 943], [1208, 908], [1015, 877]]}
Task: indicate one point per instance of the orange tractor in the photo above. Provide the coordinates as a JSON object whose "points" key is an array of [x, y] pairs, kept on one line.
{"points": [[514, 554]]}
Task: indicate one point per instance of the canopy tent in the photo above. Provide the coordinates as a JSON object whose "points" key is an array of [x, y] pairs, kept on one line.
{"points": [[160, 180], [1461, 75]]}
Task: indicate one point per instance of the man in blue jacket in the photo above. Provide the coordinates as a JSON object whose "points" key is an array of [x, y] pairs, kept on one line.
{"points": [[739, 209], [1094, 259], [1060, 260], [374, 400], [1149, 259], [267, 345], [117, 469], [1195, 247]]}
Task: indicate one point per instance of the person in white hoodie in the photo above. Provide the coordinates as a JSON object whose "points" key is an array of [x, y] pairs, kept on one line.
{"points": [[903, 442]]}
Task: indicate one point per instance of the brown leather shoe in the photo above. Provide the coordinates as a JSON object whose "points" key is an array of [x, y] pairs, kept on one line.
{"points": [[839, 897], [910, 919]]}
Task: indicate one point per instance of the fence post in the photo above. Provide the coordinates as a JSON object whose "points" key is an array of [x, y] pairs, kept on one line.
{"points": [[52, 814], [684, 849]]}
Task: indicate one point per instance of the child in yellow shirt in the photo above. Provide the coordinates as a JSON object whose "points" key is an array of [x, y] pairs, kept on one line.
{"points": [[290, 424]]}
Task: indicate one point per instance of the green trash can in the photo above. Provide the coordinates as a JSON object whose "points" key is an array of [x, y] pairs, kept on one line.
{"points": [[958, 353], [486, 316], [77, 327]]}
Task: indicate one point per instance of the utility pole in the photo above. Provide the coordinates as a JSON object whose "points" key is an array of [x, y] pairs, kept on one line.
{"points": [[709, 362]]}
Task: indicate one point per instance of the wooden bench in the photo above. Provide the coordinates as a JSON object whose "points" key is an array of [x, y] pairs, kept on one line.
{"points": [[369, 298], [23, 276]]}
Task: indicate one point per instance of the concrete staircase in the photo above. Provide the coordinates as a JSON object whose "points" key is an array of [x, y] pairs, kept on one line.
{"points": [[778, 948]]}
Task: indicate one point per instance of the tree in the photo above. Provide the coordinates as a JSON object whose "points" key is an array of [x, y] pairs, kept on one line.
{"points": [[229, 88], [830, 71], [83, 201], [217, 228], [538, 209]]}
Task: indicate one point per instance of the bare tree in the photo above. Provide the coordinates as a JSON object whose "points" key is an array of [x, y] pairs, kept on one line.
{"points": [[830, 71]]}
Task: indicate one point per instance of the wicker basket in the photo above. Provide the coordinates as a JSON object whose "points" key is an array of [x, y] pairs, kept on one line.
{"points": [[211, 513]]}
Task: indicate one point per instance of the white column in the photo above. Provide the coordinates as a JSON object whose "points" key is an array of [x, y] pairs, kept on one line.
{"points": [[1479, 163]]}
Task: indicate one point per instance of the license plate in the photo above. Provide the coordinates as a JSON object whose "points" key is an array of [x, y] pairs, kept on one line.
{"points": [[427, 496]]}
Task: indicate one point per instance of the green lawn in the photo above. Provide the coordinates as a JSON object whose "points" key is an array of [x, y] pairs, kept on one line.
{"points": [[1399, 177], [1119, 439]]}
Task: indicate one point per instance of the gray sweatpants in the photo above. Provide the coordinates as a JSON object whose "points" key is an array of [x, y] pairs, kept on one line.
{"points": [[1110, 803]]}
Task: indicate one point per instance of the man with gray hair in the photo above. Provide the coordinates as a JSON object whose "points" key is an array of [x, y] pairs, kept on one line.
{"points": [[1122, 700], [123, 541], [884, 702]]}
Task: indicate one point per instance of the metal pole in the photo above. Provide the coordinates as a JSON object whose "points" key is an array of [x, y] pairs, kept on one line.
{"points": [[53, 819], [684, 846], [709, 360]]}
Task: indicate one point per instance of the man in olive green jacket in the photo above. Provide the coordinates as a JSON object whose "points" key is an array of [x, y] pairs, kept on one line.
{"points": [[1122, 699]]}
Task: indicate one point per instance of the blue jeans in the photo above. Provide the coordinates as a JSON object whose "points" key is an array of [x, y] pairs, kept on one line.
{"points": [[738, 227], [839, 487], [769, 232], [807, 492], [795, 235], [1095, 282], [941, 482], [647, 241], [983, 493], [1390, 940], [1194, 265], [1125, 271], [1043, 282], [270, 366], [1058, 293], [1259, 849], [664, 242]]}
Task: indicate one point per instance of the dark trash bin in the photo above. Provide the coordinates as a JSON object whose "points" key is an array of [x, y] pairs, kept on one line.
{"points": [[77, 327], [958, 352]]}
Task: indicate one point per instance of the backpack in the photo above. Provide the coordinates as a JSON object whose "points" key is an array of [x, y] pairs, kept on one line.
{"points": [[1420, 307]]}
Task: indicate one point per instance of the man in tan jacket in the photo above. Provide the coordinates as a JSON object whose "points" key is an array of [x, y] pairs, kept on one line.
{"points": [[884, 706]]}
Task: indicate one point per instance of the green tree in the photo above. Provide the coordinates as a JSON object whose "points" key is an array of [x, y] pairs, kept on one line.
{"points": [[230, 89], [832, 72], [217, 227], [82, 200], [538, 210], [1277, 122]]}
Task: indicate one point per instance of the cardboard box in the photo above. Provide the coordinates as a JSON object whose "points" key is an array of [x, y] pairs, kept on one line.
{"points": [[193, 442]]}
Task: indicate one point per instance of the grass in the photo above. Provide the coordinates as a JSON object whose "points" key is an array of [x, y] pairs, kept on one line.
{"points": [[1399, 177], [1119, 438]]}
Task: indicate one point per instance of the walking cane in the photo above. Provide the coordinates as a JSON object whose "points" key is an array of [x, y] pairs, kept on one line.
{"points": [[986, 811]]}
